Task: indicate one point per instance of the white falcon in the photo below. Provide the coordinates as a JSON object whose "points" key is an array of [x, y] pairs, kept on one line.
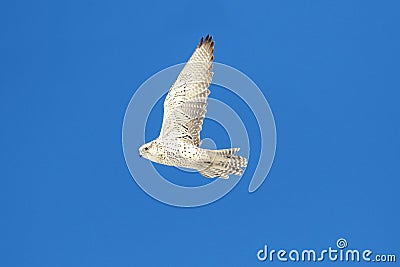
{"points": [[184, 109]]}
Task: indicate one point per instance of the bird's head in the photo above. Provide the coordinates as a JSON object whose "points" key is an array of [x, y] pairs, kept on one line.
{"points": [[149, 150]]}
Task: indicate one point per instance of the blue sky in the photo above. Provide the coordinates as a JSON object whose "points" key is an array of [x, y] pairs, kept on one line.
{"points": [[329, 70]]}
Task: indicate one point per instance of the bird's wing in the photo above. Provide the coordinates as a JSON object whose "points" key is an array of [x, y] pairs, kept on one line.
{"points": [[186, 102]]}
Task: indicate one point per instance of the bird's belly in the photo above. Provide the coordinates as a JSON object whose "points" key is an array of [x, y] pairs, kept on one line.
{"points": [[187, 156]]}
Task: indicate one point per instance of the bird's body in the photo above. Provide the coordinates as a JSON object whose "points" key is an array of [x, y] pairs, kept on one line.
{"points": [[184, 112], [180, 154]]}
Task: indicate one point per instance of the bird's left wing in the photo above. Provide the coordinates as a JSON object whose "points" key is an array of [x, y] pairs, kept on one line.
{"points": [[186, 102]]}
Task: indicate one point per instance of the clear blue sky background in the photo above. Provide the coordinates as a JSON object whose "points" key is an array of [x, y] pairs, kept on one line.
{"points": [[329, 69]]}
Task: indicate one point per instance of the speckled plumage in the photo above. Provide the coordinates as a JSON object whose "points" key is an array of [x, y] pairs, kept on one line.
{"points": [[184, 111]]}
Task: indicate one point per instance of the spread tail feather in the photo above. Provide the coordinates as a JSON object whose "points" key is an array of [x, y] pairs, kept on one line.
{"points": [[223, 163]]}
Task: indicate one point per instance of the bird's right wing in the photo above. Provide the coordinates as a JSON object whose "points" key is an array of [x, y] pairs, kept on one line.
{"points": [[186, 102]]}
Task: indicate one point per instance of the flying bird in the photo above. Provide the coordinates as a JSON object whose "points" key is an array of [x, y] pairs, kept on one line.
{"points": [[184, 110]]}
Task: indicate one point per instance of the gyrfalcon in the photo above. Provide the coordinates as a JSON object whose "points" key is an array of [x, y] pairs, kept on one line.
{"points": [[184, 109]]}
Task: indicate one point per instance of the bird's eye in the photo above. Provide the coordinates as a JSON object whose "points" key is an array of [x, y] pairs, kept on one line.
{"points": [[146, 148]]}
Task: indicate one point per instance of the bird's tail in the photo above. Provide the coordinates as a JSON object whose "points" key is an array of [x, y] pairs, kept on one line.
{"points": [[223, 163]]}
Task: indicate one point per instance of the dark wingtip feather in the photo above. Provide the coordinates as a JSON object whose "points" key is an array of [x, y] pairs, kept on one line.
{"points": [[208, 40], [201, 42]]}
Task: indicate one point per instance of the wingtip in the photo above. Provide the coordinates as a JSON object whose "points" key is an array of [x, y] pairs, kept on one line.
{"points": [[207, 40], [201, 41]]}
